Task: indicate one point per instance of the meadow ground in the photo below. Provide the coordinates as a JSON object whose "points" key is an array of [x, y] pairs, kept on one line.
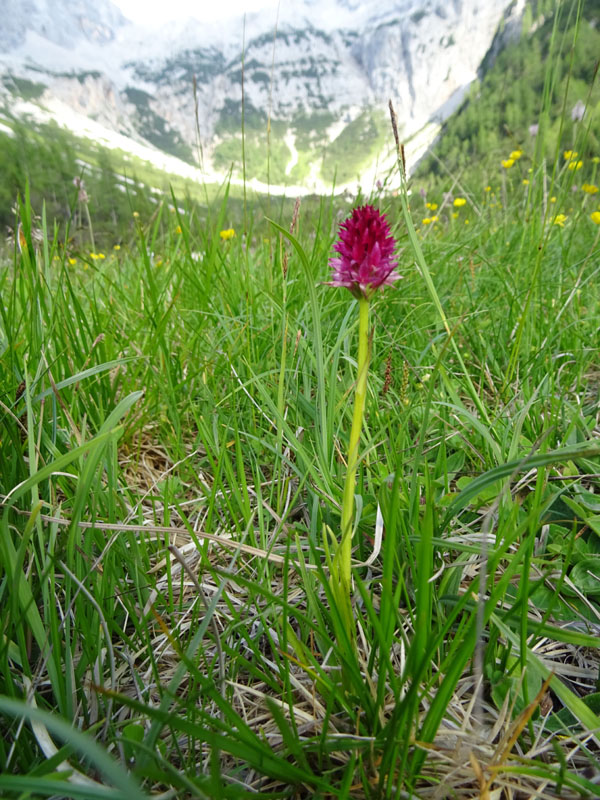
{"points": [[175, 420]]}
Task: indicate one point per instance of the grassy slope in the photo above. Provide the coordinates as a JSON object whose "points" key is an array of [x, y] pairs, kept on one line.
{"points": [[44, 160], [192, 392], [340, 160], [47, 159], [355, 148]]}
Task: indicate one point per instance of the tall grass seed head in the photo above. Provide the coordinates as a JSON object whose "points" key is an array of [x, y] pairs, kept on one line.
{"points": [[366, 259], [578, 111]]}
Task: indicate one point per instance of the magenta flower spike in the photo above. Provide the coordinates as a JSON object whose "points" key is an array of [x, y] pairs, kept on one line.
{"points": [[365, 263], [366, 253]]}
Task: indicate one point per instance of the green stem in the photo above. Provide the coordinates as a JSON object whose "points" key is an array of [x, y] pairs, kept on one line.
{"points": [[89, 220], [345, 550]]}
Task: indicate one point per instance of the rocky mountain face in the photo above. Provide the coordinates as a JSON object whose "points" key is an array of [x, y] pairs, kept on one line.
{"points": [[322, 73], [60, 22]]}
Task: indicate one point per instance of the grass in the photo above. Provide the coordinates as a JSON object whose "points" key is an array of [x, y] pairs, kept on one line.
{"points": [[354, 148], [174, 419], [260, 163]]}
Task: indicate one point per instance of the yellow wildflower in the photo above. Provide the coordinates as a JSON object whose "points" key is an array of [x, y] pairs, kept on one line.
{"points": [[553, 199], [507, 163], [525, 182], [117, 247], [434, 219], [72, 261], [136, 214], [466, 222], [569, 154], [589, 188], [515, 155], [227, 234], [596, 160], [431, 206], [488, 189], [426, 221], [595, 217], [455, 215], [560, 219], [459, 201], [178, 229], [574, 165]]}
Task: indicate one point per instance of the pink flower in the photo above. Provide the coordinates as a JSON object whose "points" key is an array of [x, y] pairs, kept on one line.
{"points": [[366, 253]]}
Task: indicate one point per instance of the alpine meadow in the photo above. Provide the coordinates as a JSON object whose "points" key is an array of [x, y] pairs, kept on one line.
{"points": [[300, 496]]}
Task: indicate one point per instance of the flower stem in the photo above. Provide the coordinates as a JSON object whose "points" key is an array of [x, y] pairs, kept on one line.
{"points": [[89, 220], [345, 549]]}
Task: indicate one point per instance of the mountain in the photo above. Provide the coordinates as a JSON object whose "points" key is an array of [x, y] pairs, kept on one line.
{"points": [[322, 73], [60, 22]]}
